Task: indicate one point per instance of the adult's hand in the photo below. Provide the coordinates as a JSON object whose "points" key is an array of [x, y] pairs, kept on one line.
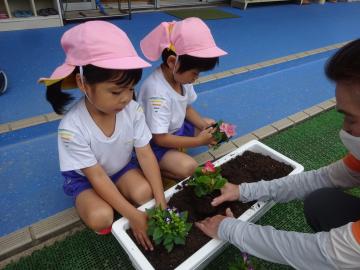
{"points": [[210, 226], [229, 192]]}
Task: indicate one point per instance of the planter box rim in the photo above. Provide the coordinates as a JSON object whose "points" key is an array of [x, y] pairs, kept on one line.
{"points": [[201, 257]]}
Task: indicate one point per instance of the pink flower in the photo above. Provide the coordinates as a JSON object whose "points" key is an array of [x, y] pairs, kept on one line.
{"points": [[209, 167], [229, 129], [245, 257]]}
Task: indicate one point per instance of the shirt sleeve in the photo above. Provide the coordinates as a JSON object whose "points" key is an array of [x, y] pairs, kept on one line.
{"points": [[74, 151], [337, 249], [344, 247], [141, 130], [298, 186], [158, 113], [192, 95]]}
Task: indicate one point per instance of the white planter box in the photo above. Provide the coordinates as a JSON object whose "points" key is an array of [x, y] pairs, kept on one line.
{"points": [[204, 255]]}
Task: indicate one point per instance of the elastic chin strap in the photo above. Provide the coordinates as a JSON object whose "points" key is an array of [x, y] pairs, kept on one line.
{"points": [[81, 71], [176, 61]]}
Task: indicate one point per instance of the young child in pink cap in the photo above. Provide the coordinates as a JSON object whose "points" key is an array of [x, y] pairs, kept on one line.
{"points": [[187, 48], [98, 133]]}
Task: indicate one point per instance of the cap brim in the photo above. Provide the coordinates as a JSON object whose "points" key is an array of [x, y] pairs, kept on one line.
{"points": [[61, 73], [208, 53]]}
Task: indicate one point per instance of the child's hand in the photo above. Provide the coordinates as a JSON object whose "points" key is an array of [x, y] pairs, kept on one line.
{"points": [[205, 136], [209, 123], [163, 204], [138, 224]]}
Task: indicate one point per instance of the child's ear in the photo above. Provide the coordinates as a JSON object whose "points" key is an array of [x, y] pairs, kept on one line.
{"points": [[80, 83], [171, 61]]}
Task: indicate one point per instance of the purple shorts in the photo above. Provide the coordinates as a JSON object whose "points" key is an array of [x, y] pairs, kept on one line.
{"points": [[187, 129], [75, 183]]}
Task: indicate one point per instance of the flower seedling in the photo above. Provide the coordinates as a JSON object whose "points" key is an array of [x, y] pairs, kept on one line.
{"points": [[242, 263], [168, 226], [206, 179], [223, 132]]}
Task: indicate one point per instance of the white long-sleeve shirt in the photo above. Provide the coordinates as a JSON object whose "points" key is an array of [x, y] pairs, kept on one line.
{"points": [[337, 249]]}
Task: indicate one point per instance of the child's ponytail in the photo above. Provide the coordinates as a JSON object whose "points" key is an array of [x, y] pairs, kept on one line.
{"points": [[58, 99]]}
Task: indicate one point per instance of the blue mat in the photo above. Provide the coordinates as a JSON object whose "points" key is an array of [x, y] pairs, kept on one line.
{"points": [[262, 33]]}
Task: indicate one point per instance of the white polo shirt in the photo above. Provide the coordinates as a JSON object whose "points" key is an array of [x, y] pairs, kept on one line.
{"points": [[164, 108], [82, 144]]}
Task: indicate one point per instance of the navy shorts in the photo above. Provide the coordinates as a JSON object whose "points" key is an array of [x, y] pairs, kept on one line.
{"points": [[75, 183], [187, 129]]}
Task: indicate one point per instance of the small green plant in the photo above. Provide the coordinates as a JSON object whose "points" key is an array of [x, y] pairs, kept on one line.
{"points": [[223, 132], [241, 263], [206, 179], [168, 226]]}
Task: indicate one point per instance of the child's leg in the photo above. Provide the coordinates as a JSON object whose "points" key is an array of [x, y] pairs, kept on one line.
{"points": [[93, 210], [177, 165], [134, 186]]}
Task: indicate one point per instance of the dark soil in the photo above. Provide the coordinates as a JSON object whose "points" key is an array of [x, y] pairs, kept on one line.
{"points": [[249, 167]]}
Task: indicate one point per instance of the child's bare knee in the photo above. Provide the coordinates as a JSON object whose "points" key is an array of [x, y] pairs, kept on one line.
{"points": [[142, 194], [188, 168], [101, 218]]}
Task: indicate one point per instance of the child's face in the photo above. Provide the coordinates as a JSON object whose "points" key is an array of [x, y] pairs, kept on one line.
{"points": [[348, 103], [110, 98], [186, 77]]}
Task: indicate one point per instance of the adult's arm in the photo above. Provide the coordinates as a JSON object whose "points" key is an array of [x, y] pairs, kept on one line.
{"points": [[338, 174], [337, 249]]}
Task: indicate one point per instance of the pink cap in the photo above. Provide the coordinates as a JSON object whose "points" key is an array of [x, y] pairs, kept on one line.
{"points": [[99, 43], [190, 36]]}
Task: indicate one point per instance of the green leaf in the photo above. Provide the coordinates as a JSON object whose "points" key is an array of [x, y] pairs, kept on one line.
{"points": [[238, 264], [198, 171], [199, 192], [204, 179], [179, 241], [157, 233], [151, 222], [184, 215], [157, 241], [169, 247], [168, 240], [220, 183], [150, 230]]}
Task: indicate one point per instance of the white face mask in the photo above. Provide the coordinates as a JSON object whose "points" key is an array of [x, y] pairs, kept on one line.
{"points": [[351, 143]]}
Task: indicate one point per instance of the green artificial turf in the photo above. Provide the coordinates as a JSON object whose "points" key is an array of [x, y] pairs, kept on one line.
{"points": [[313, 143], [202, 13]]}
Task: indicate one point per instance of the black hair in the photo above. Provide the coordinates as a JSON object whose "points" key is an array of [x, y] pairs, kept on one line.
{"points": [[188, 62], [58, 99], [93, 75], [344, 65]]}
